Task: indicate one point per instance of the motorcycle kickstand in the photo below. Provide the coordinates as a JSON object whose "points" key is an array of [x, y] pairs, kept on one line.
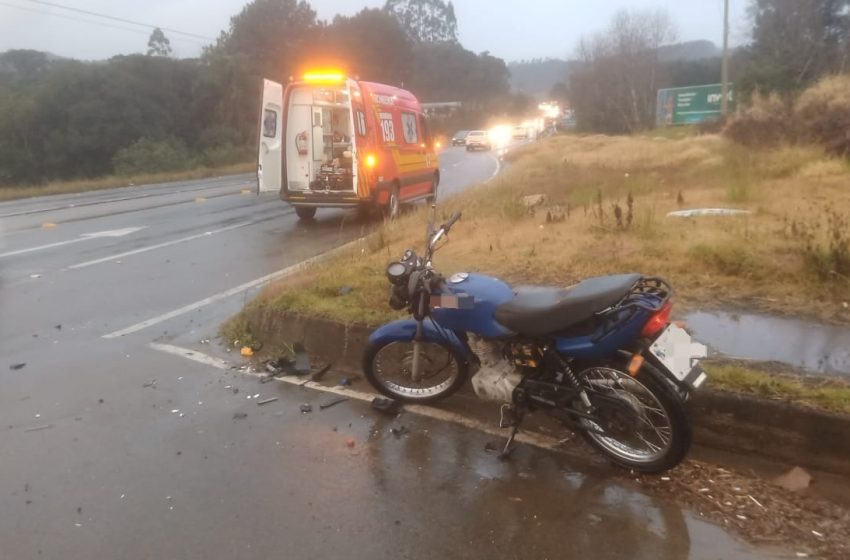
{"points": [[509, 447]]}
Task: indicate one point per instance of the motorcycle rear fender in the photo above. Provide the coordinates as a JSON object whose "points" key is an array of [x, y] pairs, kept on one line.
{"points": [[405, 329]]}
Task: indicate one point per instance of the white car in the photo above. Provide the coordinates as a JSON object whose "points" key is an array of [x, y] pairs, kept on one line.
{"points": [[478, 140]]}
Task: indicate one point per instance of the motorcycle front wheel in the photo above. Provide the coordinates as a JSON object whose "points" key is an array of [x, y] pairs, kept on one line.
{"points": [[643, 421], [389, 368]]}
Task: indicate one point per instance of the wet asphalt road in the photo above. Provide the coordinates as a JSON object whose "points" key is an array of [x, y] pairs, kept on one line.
{"points": [[111, 449]]}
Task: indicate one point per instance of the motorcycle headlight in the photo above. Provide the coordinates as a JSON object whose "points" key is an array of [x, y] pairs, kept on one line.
{"points": [[397, 272]]}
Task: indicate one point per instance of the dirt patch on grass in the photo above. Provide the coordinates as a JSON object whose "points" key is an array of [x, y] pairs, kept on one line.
{"points": [[786, 256], [85, 185]]}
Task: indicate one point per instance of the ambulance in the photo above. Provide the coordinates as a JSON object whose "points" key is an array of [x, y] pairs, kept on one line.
{"points": [[330, 141]]}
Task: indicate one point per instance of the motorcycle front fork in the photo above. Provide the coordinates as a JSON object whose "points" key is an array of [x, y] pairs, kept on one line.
{"points": [[415, 373]]}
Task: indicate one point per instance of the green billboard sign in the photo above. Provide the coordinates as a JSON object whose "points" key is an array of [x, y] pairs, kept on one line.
{"points": [[690, 105]]}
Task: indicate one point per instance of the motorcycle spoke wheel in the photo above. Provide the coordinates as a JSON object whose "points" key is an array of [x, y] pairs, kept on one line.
{"points": [[643, 432], [392, 368]]}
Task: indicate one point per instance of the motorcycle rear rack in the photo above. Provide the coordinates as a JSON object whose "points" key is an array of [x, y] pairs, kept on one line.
{"points": [[659, 291]]}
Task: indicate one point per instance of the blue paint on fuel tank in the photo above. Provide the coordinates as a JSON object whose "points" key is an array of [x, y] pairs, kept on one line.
{"points": [[488, 293]]}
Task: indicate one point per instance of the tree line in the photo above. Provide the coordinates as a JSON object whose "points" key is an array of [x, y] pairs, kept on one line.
{"points": [[67, 119], [793, 44]]}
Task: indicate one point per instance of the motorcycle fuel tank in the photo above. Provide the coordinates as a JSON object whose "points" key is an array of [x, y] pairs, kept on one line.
{"points": [[487, 293]]}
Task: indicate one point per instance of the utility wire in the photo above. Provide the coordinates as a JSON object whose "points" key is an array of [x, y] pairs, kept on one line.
{"points": [[122, 20], [93, 22]]}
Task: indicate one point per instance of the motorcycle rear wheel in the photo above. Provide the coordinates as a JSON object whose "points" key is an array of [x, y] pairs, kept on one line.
{"points": [[387, 367], [654, 434]]}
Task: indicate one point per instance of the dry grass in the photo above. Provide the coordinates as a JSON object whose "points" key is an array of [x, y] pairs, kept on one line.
{"points": [[112, 181], [770, 260]]}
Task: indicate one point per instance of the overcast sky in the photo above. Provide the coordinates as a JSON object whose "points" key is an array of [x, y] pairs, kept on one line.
{"points": [[510, 29]]}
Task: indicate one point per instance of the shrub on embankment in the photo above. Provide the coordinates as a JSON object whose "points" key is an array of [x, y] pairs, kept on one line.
{"points": [[820, 115]]}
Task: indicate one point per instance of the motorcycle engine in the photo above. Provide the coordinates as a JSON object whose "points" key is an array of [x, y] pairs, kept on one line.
{"points": [[497, 377]]}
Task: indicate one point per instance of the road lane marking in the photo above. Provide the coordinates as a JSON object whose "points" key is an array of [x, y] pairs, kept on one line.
{"points": [[158, 246], [82, 202], [530, 438], [263, 280], [83, 237], [190, 354]]}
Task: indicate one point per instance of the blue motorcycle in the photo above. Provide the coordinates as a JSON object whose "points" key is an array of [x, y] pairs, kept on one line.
{"points": [[602, 356]]}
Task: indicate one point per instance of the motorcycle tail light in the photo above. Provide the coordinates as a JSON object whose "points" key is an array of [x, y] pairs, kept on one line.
{"points": [[658, 321]]}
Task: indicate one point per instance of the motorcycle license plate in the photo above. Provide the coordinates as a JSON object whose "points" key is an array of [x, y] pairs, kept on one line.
{"points": [[677, 352]]}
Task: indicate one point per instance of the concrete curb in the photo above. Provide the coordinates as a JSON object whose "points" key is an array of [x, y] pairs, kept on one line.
{"points": [[727, 421]]}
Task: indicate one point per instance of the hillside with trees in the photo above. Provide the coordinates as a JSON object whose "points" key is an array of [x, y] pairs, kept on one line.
{"points": [[793, 44], [68, 119]]}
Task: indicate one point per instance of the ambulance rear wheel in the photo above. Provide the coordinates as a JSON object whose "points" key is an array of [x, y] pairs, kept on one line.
{"points": [[306, 212], [432, 198]]}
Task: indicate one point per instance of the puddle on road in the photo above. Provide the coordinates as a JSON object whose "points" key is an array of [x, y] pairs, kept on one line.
{"points": [[814, 347]]}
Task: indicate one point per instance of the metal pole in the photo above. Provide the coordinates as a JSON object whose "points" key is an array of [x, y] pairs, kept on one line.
{"points": [[724, 102]]}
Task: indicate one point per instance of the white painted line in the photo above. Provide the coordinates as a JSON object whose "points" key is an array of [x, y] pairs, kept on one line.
{"points": [[83, 237], [498, 168], [190, 354], [158, 246], [263, 280], [537, 440]]}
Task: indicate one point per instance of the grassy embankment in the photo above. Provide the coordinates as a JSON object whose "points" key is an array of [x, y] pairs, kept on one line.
{"points": [[790, 255], [111, 181]]}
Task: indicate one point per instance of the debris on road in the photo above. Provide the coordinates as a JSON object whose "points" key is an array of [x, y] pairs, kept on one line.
{"points": [[17, 366], [267, 401], [273, 368], [349, 442], [149, 384], [795, 480], [305, 408], [345, 382], [37, 428], [247, 351], [758, 509], [332, 402], [490, 446], [240, 415], [387, 406], [400, 431], [321, 372]]}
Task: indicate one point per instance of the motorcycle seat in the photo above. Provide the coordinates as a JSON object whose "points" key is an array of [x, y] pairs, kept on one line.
{"points": [[538, 311]]}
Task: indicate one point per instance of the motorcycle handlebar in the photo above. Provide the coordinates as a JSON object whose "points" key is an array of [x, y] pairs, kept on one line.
{"points": [[448, 225]]}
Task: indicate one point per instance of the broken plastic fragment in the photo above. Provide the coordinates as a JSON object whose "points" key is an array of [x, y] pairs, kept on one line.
{"points": [[247, 351], [388, 406]]}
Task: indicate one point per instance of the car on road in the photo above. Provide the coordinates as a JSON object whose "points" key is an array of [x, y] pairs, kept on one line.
{"points": [[459, 139], [478, 140], [520, 132]]}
